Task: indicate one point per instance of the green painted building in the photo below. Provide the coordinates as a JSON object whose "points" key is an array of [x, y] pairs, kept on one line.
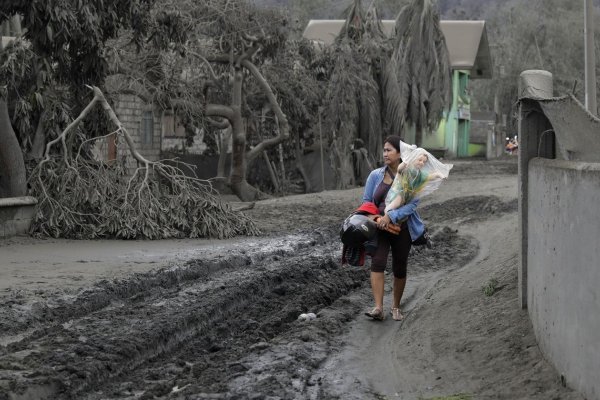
{"points": [[452, 137], [469, 58]]}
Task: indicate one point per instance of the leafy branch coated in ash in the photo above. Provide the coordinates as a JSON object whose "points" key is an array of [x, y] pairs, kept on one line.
{"points": [[83, 198]]}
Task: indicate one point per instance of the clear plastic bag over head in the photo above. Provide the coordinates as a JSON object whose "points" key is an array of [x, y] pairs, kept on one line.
{"points": [[406, 149], [421, 175]]}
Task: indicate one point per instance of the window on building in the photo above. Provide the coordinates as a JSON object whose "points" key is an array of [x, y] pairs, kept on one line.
{"points": [[147, 128], [171, 126]]}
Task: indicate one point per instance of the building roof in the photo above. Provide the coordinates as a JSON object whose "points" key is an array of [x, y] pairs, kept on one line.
{"points": [[466, 41]]}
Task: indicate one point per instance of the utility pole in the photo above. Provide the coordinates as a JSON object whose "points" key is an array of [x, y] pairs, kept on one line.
{"points": [[590, 58]]}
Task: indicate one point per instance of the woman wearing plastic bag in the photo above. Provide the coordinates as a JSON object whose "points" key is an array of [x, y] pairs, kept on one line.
{"points": [[376, 189]]}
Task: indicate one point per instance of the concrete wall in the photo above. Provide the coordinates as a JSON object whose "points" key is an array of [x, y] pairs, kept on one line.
{"points": [[559, 227], [16, 214], [563, 267], [535, 140]]}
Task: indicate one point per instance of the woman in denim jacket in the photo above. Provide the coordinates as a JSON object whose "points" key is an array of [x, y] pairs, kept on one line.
{"points": [[376, 188]]}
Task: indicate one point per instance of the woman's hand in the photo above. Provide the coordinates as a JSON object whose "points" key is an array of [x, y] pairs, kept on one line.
{"points": [[384, 222]]}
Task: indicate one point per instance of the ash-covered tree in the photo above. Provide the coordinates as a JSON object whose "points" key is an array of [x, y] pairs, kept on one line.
{"points": [[422, 66], [210, 77], [255, 81], [65, 51], [59, 52], [234, 39], [363, 94], [293, 75]]}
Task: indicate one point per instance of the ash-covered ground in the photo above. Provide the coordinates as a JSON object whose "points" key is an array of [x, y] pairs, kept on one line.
{"points": [[225, 326]]}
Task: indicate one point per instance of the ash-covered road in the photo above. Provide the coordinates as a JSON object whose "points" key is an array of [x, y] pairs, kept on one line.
{"points": [[225, 327]]}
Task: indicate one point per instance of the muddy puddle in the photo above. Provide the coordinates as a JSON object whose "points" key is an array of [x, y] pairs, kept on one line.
{"points": [[222, 327]]}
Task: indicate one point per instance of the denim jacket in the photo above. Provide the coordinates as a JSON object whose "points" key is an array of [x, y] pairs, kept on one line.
{"points": [[415, 224]]}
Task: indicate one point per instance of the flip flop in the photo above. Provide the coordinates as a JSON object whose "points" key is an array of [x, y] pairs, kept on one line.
{"points": [[396, 314], [376, 313]]}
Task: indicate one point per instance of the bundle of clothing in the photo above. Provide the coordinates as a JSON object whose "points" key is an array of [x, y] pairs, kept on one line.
{"points": [[359, 234]]}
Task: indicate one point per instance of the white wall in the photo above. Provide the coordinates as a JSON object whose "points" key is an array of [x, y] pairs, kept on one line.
{"points": [[563, 267]]}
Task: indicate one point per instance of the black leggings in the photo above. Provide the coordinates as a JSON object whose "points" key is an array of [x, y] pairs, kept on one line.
{"points": [[400, 245]]}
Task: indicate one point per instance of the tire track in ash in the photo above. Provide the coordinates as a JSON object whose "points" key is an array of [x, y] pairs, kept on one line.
{"points": [[18, 316]]}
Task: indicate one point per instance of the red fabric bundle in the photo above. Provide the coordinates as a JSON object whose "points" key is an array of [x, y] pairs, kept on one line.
{"points": [[372, 209]]}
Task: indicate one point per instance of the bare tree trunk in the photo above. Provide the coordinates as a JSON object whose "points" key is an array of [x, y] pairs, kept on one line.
{"points": [[282, 122], [13, 177], [13, 181], [224, 138], [238, 144], [419, 136], [271, 172], [39, 141], [239, 157], [237, 178], [299, 166], [344, 170], [284, 186]]}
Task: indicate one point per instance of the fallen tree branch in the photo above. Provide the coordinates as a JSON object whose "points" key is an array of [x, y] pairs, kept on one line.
{"points": [[86, 198]]}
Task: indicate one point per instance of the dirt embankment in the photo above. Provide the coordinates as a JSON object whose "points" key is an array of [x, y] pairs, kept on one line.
{"points": [[226, 326]]}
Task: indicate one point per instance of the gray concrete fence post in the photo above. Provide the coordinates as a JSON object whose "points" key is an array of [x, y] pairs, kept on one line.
{"points": [[536, 139]]}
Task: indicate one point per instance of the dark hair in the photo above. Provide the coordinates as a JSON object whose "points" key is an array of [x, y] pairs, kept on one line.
{"points": [[394, 141]]}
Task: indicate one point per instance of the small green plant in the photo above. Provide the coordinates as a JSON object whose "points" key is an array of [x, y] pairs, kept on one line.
{"points": [[490, 287]]}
